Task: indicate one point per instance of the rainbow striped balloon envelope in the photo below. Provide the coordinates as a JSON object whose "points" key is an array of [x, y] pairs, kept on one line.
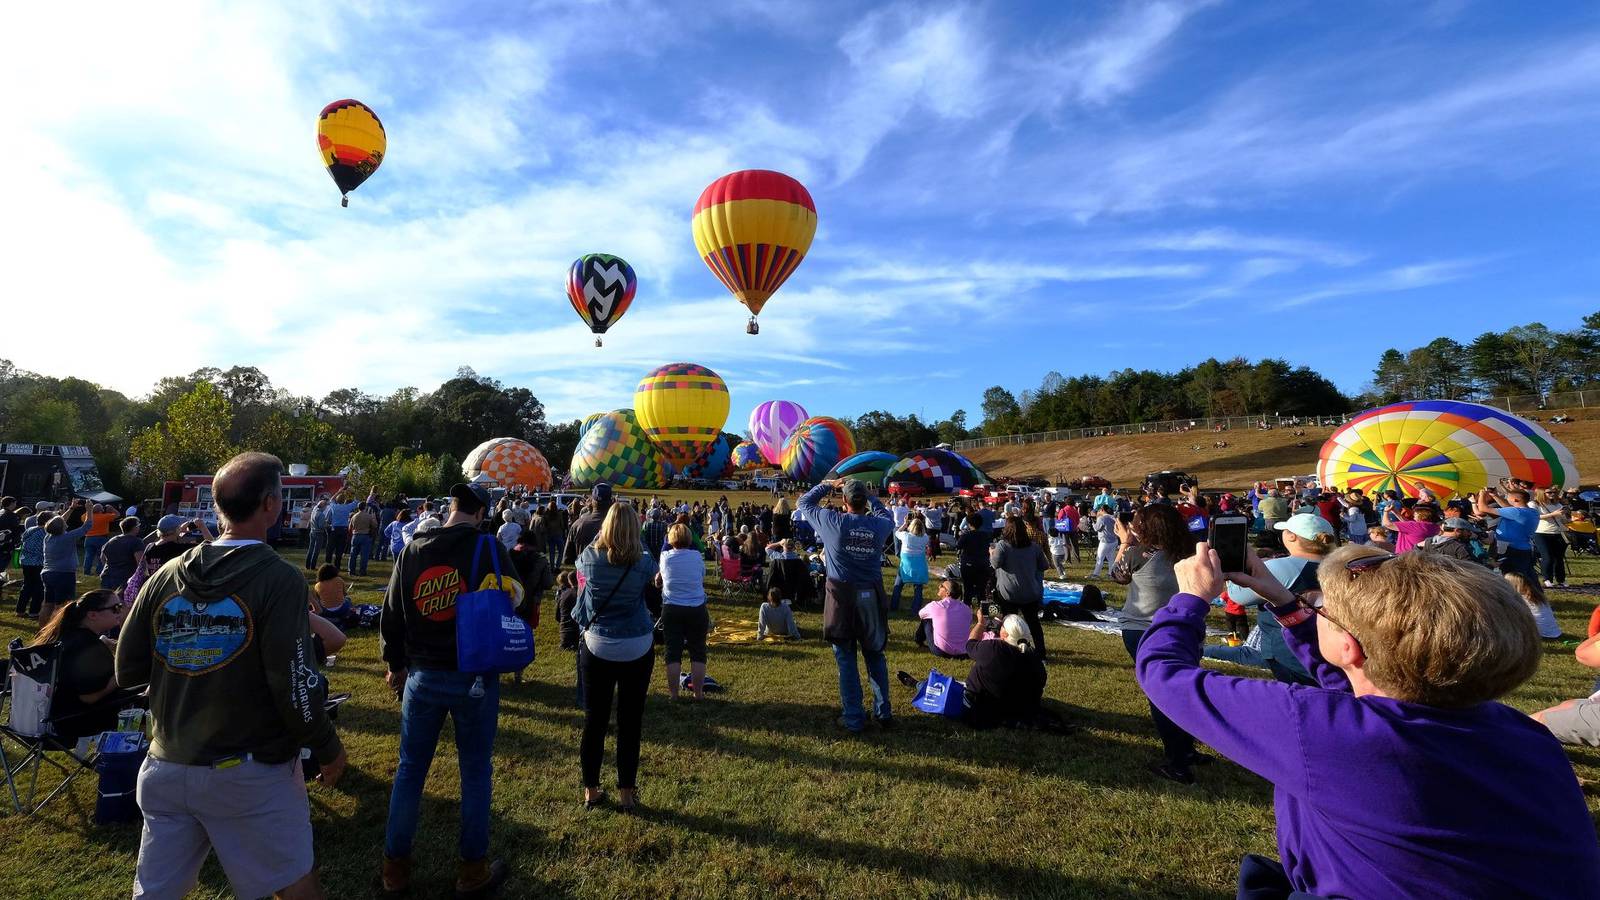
{"points": [[867, 466], [816, 446], [682, 407], [1450, 447], [616, 450]]}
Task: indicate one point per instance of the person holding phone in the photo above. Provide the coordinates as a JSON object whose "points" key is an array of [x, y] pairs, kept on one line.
{"points": [[1307, 538], [1398, 774], [1152, 544]]}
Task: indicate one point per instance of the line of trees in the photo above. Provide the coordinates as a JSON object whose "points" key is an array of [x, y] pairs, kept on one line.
{"points": [[1528, 359], [408, 441]]}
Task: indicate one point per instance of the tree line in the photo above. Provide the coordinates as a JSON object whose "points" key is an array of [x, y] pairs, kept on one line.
{"points": [[1528, 359]]}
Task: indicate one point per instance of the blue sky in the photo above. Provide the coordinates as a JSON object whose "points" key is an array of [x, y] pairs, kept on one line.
{"points": [[1003, 189]]}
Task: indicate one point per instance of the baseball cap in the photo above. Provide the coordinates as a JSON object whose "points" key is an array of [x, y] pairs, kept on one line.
{"points": [[601, 492], [1456, 523], [169, 523], [1306, 525], [470, 498], [854, 490]]}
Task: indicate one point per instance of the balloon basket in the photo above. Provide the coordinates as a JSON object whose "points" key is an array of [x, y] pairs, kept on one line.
{"points": [[752, 327], [344, 202], [597, 342]]}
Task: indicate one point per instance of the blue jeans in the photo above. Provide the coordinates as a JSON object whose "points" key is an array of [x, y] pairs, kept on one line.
{"points": [[316, 539], [429, 694], [91, 554], [916, 595], [360, 552], [855, 718]]}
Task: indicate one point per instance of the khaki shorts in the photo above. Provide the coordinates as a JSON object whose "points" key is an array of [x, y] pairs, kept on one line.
{"points": [[256, 816], [1576, 722]]}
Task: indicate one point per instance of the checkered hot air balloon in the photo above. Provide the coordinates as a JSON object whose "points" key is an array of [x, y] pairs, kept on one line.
{"points": [[867, 466], [616, 449], [508, 462], [816, 446], [1449, 447], [716, 461], [936, 471], [771, 423], [600, 288], [352, 143], [753, 228], [590, 419], [682, 407], [748, 456]]}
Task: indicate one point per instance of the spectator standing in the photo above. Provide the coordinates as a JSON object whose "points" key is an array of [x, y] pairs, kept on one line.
{"points": [[61, 558], [1515, 530], [31, 559], [362, 523], [1105, 529], [101, 518], [121, 555], [683, 610], [417, 639], [587, 526], [10, 537], [317, 535], [972, 551], [1549, 538], [339, 513], [855, 609], [1019, 566], [913, 566], [231, 713]]}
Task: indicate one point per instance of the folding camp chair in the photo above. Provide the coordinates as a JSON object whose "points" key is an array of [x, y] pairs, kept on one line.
{"points": [[30, 685], [735, 580]]}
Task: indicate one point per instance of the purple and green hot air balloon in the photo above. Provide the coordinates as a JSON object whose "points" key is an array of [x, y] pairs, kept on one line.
{"points": [[867, 466], [771, 423]]}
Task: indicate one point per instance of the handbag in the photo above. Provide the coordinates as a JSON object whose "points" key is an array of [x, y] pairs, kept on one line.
{"points": [[941, 695], [490, 637]]}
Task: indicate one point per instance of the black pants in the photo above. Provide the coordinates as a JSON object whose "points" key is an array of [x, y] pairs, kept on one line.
{"points": [[1552, 556], [685, 626], [32, 591], [1239, 624], [975, 584], [629, 682], [1177, 744], [1030, 614], [338, 546]]}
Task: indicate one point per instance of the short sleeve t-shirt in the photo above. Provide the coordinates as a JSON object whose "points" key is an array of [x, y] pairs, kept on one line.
{"points": [[119, 552], [683, 577], [1409, 534], [1516, 526]]}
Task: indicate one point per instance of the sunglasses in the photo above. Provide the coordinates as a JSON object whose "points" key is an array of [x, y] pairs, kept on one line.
{"points": [[1311, 601], [113, 608]]}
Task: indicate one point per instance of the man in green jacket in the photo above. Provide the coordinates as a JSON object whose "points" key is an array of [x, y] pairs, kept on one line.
{"points": [[222, 636]]}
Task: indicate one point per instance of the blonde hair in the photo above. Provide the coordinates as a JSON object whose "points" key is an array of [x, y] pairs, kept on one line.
{"points": [[916, 525], [678, 536], [1528, 588], [619, 535], [1321, 545], [1017, 634], [1435, 630], [782, 506]]}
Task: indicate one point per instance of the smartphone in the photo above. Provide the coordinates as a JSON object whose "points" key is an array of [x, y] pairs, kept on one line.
{"points": [[1228, 535]]}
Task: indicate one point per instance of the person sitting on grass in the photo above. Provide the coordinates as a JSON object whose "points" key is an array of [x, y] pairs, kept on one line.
{"points": [[333, 596], [776, 618], [949, 620], [1006, 682], [1578, 721], [1398, 775]]}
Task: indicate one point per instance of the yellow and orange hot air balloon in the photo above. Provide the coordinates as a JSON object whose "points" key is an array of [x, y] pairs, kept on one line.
{"points": [[753, 228], [682, 408], [352, 143]]}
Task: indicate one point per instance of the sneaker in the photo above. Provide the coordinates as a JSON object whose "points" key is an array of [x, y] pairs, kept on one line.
{"points": [[1549, 583], [845, 724], [906, 679], [1172, 773]]}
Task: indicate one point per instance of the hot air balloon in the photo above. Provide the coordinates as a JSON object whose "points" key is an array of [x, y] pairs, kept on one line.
{"points": [[868, 466], [615, 449], [771, 423], [936, 471], [816, 446], [352, 143], [600, 287], [508, 462], [588, 420], [682, 407], [748, 456], [753, 228], [714, 462], [1449, 447]]}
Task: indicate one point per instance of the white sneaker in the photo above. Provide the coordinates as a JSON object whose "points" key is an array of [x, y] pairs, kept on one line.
{"points": [[1549, 584]]}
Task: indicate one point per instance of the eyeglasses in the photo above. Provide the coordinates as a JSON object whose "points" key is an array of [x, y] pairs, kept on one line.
{"points": [[113, 608], [1311, 601]]}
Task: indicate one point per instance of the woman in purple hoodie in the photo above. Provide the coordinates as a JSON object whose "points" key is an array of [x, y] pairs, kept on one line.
{"points": [[1399, 775]]}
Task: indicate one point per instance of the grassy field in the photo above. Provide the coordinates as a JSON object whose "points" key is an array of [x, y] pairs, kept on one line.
{"points": [[756, 793]]}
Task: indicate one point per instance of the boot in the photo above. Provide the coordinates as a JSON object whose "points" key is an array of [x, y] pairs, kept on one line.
{"points": [[479, 878], [396, 876]]}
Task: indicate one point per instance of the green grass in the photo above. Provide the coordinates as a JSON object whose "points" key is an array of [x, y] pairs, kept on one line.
{"points": [[756, 793]]}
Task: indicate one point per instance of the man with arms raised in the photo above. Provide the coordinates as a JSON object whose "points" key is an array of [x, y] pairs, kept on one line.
{"points": [[222, 636]]}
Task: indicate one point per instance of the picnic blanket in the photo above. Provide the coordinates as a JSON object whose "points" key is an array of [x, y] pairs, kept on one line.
{"points": [[741, 631], [1106, 622]]}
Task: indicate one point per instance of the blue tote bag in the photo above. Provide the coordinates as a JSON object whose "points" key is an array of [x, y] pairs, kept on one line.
{"points": [[489, 635], [941, 695]]}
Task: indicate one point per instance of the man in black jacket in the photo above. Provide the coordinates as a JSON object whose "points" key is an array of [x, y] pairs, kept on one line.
{"points": [[587, 527], [417, 638], [1455, 540]]}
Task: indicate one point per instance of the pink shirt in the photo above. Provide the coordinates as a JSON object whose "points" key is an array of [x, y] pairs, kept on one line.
{"points": [[1409, 534], [952, 621]]}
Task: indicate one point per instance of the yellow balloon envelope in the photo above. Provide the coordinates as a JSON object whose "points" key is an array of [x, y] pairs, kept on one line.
{"points": [[753, 228], [352, 142], [682, 407]]}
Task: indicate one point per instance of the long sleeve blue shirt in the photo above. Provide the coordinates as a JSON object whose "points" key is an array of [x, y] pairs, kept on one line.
{"points": [[852, 542]]}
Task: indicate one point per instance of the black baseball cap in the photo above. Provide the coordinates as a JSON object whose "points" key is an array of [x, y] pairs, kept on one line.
{"points": [[470, 498]]}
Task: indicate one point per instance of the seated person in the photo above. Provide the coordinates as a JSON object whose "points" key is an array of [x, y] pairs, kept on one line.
{"points": [[1007, 679], [1578, 721], [777, 619], [86, 700], [1544, 618], [1383, 771], [1581, 532], [331, 596], [784, 549], [949, 619]]}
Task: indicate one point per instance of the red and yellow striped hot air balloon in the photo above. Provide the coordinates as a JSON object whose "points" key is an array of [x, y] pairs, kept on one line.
{"points": [[753, 228], [352, 142]]}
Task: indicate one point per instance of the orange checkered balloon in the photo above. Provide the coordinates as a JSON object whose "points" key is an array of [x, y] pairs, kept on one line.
{"points": [[510, 462]]}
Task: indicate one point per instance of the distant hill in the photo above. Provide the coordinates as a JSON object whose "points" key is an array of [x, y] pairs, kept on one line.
{"points": [[1250, 455]]}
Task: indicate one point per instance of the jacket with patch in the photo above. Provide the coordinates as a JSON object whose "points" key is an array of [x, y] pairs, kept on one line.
{"points": [[222, 636], [417, 629]]}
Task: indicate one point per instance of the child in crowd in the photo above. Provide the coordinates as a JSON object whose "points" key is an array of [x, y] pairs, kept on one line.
{"points": [[1581, 532], [1538, 604], [777, 619], [332, 596], [1058, 551], [566, 598]]}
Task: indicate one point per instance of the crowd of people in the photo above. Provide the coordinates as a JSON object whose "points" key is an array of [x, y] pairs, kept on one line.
{"points": [[1389, 626]]}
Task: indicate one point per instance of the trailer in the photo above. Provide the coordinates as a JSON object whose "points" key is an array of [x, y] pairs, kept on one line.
{"points": [[191, 498], [52, 473]]}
